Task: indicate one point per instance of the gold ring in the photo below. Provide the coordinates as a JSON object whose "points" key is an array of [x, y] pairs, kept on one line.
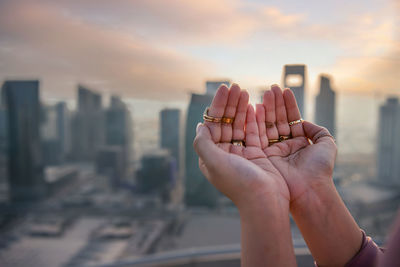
{"points": [[273, 141], [238, 142], [284, 137], [295, 122], [227, 120], [209, 118]]}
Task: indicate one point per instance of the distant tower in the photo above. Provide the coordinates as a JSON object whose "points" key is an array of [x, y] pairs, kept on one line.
{"points": [[118, 130], [88, 125], [198, 191], [325, 106], [26, 179], [212, 86], [294, 77], [169, 132], [389, 143]]}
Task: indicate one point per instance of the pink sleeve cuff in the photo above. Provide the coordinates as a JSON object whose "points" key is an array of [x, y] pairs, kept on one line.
{"points": [[368, 254]]}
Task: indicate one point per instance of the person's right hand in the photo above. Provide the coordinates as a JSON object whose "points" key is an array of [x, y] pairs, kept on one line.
{"points": [[305, 166]]}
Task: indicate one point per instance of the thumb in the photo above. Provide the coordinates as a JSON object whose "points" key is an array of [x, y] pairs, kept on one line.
{"points": [[317, 134], [205, 147]]}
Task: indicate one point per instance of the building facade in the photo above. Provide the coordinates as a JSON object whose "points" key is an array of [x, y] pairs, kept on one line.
{"points": [[25, 168], [170, 132], [388, 156], [298, 72], [325, 106]]}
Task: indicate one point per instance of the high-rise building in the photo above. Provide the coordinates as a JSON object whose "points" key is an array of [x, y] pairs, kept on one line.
{"points": [[212, 86], [157, 173], [388, 143], [198, 191], [170, 131], [325, 105], [63, 127], [109, 162], [26, 180], [118, 130], [88, 125], [294, 77]]}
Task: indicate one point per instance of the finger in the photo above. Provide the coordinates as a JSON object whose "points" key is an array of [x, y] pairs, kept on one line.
{"points": [[217, 110], [260, 117], [317, 134], [206, 148], [252, 136], [230, 111], [293, 113], [270, 118], [280, 112], [240, 120]]}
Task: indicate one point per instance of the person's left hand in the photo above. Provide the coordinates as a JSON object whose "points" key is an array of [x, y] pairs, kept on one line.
{"points": [[243, 173]]}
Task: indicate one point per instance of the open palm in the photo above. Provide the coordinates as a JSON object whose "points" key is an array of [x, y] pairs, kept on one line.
{"points": [[303, 165]]}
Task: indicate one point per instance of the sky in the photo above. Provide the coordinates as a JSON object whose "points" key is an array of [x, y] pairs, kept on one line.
{"points": [[157, 49]]}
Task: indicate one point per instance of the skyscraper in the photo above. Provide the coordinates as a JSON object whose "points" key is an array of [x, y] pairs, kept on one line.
{"points": [[325, 105], [26, 180], [170, 132], [294, 77], [388, 143], [88, 125], [63, 127], [198, 191], [118, 130]]}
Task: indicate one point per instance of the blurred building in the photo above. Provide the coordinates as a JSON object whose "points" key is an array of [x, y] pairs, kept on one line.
{"points": [[158, 173], [26, 180], [170, 132], [388, 143], [294, 77], [87, 125], [55, 133], [198, 191], [109, 162], [212, 86], [118, 130], [63, 125], [325, 106]]}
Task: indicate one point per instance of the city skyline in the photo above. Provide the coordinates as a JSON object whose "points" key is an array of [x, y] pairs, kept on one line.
{"points": [[142, 49]]}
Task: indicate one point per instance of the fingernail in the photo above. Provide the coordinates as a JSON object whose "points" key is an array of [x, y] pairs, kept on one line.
{"points": [[274, 85]]}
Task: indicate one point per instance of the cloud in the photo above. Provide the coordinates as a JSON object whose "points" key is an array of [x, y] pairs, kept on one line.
{"points": [[45, 42]]}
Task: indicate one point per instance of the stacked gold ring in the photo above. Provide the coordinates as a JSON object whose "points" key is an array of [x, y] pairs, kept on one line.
{"points": [[209, 118]]}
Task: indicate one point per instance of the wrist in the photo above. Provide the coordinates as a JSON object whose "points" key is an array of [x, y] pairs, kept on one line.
{"points": [[272, 203], [317, 197]]}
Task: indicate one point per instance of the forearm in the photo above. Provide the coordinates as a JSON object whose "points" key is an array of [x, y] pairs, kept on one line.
{"points": [[266, 236], [328, 228]]}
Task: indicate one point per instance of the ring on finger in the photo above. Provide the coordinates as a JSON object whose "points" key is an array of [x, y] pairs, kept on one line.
{"points": [[227, 120], [284, 137], [273, 141], [238, 143], [209, 118], [296, 122]]}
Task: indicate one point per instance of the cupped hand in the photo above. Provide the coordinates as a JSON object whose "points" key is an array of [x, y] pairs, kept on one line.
{"points": [[242, 173], [304, 165]]}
